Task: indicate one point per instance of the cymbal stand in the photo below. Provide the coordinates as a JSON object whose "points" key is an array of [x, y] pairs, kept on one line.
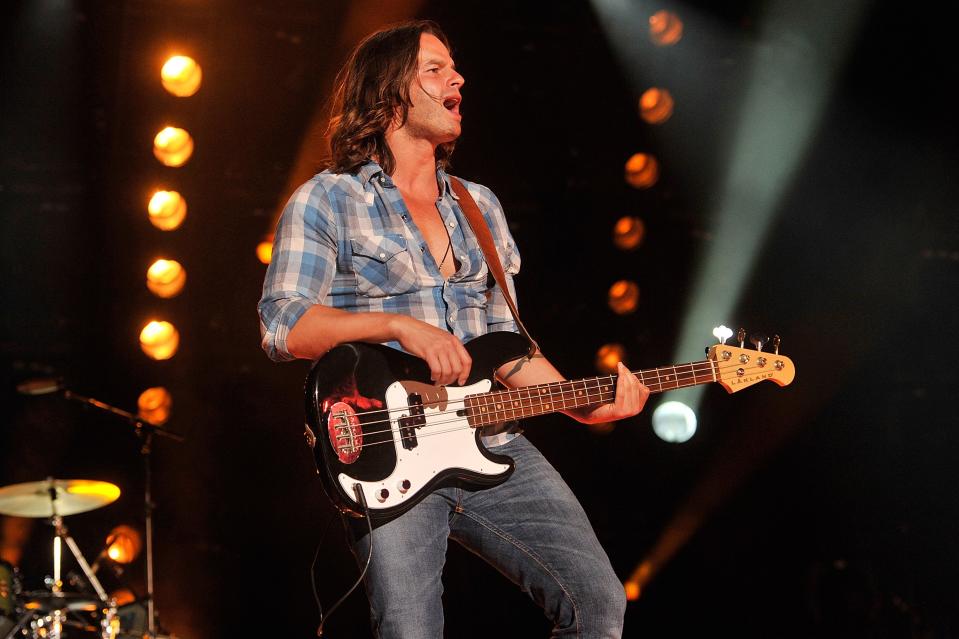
{"points": [[145, 431]]}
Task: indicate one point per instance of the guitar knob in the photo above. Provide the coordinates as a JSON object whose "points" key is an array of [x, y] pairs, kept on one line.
{"points": [[404, 486], [383, 495]]}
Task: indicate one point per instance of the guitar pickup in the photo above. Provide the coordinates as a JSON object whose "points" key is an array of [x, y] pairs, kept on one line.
{"points": [[409, 423]]}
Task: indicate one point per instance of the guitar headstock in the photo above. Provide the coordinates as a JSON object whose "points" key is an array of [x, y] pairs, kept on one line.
{"points": [[739, 367]]}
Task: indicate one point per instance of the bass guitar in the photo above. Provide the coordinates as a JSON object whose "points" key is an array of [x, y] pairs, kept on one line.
{"points": [[379, 426]]}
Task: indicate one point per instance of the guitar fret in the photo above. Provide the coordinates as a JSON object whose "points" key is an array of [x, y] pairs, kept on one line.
{"points": [[498, 406]]}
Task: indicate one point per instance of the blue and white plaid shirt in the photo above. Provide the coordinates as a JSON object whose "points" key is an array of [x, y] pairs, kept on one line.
{"points": [[349, 242]]}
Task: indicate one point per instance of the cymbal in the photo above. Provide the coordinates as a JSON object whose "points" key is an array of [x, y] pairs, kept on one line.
{"points": [[56, 497]]}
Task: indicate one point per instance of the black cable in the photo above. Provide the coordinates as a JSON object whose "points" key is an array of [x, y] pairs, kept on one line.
{"points": [[361, 498], [319, 545]]}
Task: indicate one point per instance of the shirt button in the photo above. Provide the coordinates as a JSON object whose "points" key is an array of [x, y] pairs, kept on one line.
{"points": [[452, 318], [452, 224], [462, 258], [382, 255]]}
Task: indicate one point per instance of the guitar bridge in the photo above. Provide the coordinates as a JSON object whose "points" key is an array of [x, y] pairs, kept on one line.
{"points": [[409, 423]]}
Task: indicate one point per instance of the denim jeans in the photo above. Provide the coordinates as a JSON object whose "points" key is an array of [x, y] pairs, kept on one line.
{"points": [[531, 528]]}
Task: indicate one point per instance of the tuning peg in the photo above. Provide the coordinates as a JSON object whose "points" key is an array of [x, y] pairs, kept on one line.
{"points": [[722, 333], [741, 336], [758, 340], [776, 344]]}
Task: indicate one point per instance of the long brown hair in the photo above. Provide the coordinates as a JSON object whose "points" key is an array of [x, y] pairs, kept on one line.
{"points": [[373, 88]]}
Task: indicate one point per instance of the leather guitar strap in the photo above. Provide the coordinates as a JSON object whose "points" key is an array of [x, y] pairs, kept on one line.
{"points": [[485, 238]]}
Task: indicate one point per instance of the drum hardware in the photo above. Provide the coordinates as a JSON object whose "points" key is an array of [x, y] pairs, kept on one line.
{"points": [[145, 430]]}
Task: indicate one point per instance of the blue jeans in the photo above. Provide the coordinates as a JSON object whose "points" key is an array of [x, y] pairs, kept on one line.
{"points": [[531, 528]]}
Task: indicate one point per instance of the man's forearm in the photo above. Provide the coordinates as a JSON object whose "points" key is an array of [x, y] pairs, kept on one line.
{"points": [[321, 328]]}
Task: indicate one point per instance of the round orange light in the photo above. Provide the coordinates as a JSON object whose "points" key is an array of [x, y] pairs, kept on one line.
{"points": [[623, 297], [264, 250], [608, 356], [123, 596], [167, 210], [125, 543], [154, 405], [628, 232], [166, 278], [173, 146], [642, 170], [665, 28], [181, 76], [655, 105], [159, 340], [632, 590]]}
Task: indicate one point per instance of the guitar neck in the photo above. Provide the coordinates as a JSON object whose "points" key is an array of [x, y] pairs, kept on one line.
{"points": [[498, 406]]}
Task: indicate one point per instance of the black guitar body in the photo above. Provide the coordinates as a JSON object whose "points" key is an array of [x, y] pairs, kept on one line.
{"points": [[380, 425]]}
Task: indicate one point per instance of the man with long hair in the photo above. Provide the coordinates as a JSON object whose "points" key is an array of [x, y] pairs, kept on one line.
{"points": [[377, 249]]}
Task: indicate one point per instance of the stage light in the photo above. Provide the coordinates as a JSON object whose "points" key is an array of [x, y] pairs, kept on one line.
{"points": [[167, 210], [124, 544], [173, 146], [181, 76], [159, 340], [123, 596], [166, 278], [674, 422], [154, 405], [628, 232], [632, 590], [655, 105], [623, 297], [665, 28], [608, 356], [264, 250], [642, 170]]}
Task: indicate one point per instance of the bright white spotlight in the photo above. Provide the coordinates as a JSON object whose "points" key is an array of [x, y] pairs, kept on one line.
{"points": [[674, 422]]}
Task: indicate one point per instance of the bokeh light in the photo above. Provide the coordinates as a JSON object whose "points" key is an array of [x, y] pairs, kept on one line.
{"points": [[264, 250], [628, 233], [167, 210], [642, 170], [665, 28], [181, 76], [154, 405], [124, 544], [166, 278], [173, 146], [674, 422], [623, 297], [608, 355], [159, 340], [655, 105]]}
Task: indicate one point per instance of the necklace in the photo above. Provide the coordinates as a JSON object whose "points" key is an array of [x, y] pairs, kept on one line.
{"points": [[449, 244]]}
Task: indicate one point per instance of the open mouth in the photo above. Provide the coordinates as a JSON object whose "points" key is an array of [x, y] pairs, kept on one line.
{"points": [[452, 104]]}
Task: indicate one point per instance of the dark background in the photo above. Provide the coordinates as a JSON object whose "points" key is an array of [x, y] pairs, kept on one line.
{"points": [[831, 508]]}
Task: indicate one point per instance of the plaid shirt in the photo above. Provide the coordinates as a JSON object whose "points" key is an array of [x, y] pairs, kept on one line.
{"points": [[349, 242]]}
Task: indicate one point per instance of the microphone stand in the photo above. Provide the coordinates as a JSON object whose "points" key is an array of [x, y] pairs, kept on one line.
{"points": [[145, 430]]}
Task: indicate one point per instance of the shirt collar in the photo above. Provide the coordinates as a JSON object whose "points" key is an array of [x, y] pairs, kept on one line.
{"points": [[372, 170]]}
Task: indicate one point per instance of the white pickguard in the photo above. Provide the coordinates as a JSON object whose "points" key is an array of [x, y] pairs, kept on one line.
{"points": [[446, 441]]}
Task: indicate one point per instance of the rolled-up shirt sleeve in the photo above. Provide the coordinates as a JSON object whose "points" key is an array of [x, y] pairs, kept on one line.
{"points": [[301, 269]]}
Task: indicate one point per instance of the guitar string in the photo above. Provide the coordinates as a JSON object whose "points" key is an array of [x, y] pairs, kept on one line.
{"points": [[694, 367], [550, 395], [699, 367], [501, 414], [603, 398], [684, 376]]}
